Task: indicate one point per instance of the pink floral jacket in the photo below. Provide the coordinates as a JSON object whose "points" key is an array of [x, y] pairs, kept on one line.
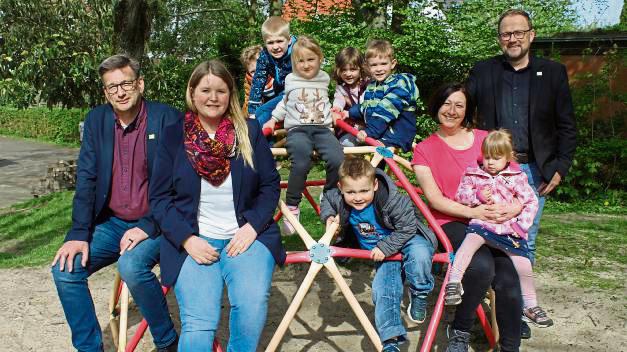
{"points": [[506, 185]]}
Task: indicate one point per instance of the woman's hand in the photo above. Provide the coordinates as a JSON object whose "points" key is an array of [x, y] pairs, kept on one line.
{"points": [[201, 251], [496, 213], [244, 237], [505, 212]]}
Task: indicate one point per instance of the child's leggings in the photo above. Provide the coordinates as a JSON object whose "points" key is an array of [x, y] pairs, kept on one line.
{"points": [[471, 244], [301, 142]]}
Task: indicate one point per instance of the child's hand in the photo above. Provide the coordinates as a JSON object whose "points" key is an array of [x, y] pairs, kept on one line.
{"points": [[361, 136], [331, 220], [270, 124], [376, 254], [252, 116], [486, 193]]}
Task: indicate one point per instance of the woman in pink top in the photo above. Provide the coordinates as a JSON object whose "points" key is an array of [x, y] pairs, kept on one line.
{"points": [[439, 163]]}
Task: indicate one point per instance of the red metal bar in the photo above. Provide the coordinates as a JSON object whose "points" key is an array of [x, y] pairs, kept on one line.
{"points": [[307, 183], [485, 324], [298, 257], [311, 201], [141, 329], [435, 316]]}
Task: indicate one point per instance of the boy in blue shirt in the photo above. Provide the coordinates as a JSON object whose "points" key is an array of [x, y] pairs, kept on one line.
{"points": [[384, 221], [275, 61], [389, 105]]}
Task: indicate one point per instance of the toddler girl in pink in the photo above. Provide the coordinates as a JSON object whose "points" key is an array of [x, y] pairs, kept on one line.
{"points": [[497, 179]]}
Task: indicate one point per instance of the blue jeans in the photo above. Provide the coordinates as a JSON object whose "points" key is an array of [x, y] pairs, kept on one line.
{"points": [[387, 286], [264, 112], [135, 268], [199, 289], [535, 180]]}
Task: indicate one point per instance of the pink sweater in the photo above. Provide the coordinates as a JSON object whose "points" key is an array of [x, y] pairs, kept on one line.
{"points": [[447, 166], [507, 185]]}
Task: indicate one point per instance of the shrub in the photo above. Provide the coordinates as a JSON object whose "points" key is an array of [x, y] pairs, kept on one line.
{"points": [[53, 125]]}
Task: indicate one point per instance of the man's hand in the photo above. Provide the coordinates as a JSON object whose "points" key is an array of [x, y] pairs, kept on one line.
{"points": [[244, 237], [269, 124], [68, 251], [131, 238], [545, 188], [361, 136], [201, 251], [376, 254]]}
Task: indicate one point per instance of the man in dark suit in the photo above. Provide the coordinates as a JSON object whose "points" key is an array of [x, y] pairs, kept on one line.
{"points": [[111, 218], [530, 97]]}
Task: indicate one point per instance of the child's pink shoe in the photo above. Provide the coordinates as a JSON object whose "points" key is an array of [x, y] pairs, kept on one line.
{"points": [[287, 226]]}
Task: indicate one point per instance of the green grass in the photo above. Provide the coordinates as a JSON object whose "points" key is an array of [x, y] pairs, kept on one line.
{"points": [[589, 249], [31, 232]]}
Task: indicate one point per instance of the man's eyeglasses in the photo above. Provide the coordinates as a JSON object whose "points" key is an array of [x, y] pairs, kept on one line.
{"points": [[517, 34], [126, 86]]}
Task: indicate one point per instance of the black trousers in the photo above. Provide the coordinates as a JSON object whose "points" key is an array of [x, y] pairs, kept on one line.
{"points": [[489, 266], [301, 142]]}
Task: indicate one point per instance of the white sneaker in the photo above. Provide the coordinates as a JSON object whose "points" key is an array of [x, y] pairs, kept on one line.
{"points": [[287, 226]]}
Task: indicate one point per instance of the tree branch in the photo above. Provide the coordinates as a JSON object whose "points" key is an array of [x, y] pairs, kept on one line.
{"points": [[204, 11]]}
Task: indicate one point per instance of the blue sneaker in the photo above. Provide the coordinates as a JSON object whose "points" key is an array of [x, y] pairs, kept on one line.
{"points": [[417, 310], [391, 345]]}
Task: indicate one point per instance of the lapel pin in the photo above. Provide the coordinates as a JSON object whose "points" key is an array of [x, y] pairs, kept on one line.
{"points": [[539, 73], [151, 136]]}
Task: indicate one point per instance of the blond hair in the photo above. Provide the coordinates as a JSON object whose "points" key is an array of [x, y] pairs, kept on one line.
{"points": [[355, 168], [305, 42], [275, 26], [498, 144], [233, 111], [379, 47], [249, 54]]}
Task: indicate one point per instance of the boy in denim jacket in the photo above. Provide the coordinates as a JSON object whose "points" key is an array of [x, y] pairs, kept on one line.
{"points": [[275, 61]]}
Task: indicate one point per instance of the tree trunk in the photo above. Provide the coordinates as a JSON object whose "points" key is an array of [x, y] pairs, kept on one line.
{"points": [[372, 12], [253, 26], [397, 16], [132, 21], [276, 7]]}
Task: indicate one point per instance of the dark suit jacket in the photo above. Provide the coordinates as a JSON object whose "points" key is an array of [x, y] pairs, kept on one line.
{"points": [[95, 164], [175, 195], [551, 115]]}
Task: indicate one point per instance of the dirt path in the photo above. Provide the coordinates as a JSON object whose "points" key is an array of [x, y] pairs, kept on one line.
{"points": [[23, 163], [585, 320]]}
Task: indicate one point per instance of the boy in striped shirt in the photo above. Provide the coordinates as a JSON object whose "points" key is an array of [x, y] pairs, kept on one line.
{"points": [[389, 105]]}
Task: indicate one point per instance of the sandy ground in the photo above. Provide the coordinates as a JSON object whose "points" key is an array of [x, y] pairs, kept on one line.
{"points": [[585, 320]]}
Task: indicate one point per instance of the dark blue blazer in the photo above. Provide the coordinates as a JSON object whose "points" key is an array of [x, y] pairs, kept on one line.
{"points": [[95, 164], [175, 194]]}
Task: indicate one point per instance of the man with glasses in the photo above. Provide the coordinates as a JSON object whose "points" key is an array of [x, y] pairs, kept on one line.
{"points": [[530, 97], [111, 217]]}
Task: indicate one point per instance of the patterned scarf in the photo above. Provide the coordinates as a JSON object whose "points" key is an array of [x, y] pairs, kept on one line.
{"points": [[209, 157]]}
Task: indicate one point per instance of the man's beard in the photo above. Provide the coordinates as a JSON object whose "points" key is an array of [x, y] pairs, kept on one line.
{"points": [[523, 53]]}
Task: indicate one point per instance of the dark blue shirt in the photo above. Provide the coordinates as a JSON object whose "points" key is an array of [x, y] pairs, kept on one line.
{"points": [[515, 114], [366, 227]]}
